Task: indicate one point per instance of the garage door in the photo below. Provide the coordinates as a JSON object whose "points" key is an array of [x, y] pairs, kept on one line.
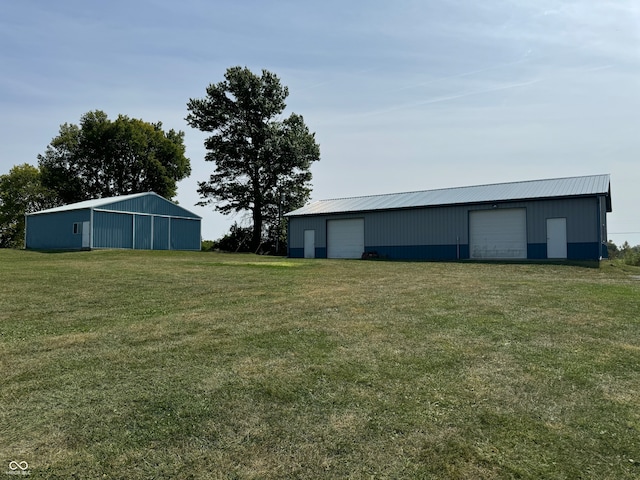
{"points": [[498, 234], [345, 238]]}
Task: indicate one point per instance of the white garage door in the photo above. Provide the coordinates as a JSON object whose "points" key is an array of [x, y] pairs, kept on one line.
{"points": [[345, 238], [498, 234]]}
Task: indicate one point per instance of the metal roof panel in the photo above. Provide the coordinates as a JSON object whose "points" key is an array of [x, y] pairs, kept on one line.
{"points": [[531, 189]]}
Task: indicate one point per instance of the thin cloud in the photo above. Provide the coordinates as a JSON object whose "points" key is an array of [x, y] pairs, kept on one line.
{"points": [[448, 98]]}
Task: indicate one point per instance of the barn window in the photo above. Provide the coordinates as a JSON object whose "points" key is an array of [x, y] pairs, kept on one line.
{"points": [[77, 228]]}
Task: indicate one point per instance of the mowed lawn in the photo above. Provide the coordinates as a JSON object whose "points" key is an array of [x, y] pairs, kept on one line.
{"points": [[121, 364]]}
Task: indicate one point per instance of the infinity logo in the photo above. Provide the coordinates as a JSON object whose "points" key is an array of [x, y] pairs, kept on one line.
{"points": [[18, 465]]}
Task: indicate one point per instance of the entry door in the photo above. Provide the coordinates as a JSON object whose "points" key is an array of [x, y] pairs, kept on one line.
{"points": [[86, 235], [309, 244], [556, 238]]}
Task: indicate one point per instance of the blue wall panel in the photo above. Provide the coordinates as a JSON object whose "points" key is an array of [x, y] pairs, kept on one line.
{"points": [[55, 230], [536, 251], [583, 251], [150, 204], [417, 252], [296, 252]]}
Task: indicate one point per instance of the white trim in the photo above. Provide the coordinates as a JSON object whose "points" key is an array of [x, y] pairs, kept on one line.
{"points": [[91, 229], [106, 210]]}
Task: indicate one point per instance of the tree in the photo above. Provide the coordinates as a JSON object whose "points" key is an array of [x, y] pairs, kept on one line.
{"points": [[21, 192], [261, 162], [103, 158]]}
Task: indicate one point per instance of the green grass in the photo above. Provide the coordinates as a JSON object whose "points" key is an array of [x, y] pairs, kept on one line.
{"points": [[119, 364]]}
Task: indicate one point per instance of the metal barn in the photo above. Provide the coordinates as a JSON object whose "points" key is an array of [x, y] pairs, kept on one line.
{"points": [[143, 221], [564, 218]]}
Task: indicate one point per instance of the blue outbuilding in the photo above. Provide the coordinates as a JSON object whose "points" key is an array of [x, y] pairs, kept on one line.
{"points": [[144, 221]]}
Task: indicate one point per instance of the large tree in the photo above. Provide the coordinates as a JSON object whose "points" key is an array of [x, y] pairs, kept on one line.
{"points": [[261, 161], [103, 158], [21, 192]]}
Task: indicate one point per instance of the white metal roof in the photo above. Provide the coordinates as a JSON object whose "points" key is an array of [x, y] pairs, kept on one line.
{"points": [[95, 203], [532, 189]]}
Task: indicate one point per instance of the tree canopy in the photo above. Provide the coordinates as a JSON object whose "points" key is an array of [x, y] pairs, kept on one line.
{"points": [[103, 158], [21, 192], [261, 162]]}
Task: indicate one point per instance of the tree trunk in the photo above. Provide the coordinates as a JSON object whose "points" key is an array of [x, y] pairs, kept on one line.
{"points": [[256, 238]]}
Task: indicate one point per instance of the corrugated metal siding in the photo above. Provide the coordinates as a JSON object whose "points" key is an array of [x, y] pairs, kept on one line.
{"points": [[535, 189], [150, 204], [112, 230], [581, 215], [55, 231], [423, 226], [298, 225], [185, 234]]}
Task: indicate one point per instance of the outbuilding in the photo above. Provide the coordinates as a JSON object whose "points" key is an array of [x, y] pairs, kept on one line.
{"points": [[562, 218], [143, 221]]}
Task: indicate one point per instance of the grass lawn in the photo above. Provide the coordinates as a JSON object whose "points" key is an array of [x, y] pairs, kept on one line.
{"points": [[119, 364]]}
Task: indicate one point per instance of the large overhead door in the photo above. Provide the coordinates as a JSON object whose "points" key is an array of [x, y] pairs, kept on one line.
{"points": [[345, 238], [498, 234]]}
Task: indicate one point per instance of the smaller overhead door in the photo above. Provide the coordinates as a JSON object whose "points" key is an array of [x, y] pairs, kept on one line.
{"points": [[345, 238], [498, 234]]}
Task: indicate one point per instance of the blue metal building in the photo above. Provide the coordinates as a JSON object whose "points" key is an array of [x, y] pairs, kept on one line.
{"points": [[562, 218], [144, 221]]}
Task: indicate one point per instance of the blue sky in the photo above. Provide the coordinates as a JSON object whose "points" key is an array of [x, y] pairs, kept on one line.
{"points": [[403, 96]]}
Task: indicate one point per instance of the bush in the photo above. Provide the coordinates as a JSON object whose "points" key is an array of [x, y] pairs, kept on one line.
{"points": [[632, 258], [207, 245], [237, 240]]}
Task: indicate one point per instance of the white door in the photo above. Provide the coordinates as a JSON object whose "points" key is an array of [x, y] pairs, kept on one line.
{"points": [[86, 235], [498, 234], [345, 238], [309, 244], [556, 238]]}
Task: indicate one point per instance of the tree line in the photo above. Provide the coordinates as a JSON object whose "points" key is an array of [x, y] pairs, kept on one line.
{"points": [[261, 160]]}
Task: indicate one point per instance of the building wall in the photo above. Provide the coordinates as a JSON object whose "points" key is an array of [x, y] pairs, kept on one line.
{"points": [[443, 232], [112, 229], [55, 231]]}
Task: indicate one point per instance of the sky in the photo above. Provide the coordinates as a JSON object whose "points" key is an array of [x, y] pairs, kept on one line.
{"points": [[402, 96]]}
